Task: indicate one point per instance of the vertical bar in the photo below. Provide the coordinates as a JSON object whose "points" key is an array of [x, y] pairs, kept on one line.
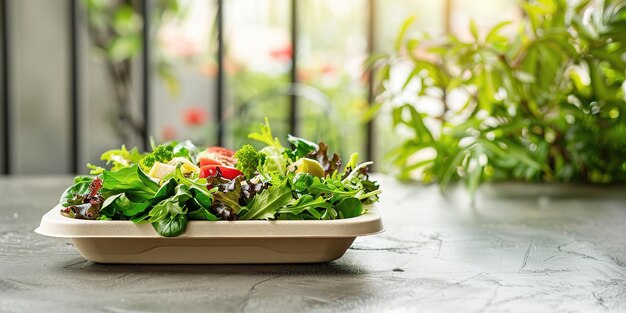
{"points": [[293, 105], [219, 114], [145, 74], [74, 85], [371, 37], [447, 17], [6, 89]]}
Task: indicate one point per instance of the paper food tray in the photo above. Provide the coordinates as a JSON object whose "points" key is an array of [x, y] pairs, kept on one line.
{"points": [[212, 242]]}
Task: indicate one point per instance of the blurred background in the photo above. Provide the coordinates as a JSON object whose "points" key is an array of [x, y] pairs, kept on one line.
{"points": [[81, 77]]}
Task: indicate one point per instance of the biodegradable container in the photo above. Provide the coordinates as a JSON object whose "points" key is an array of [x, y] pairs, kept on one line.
{"points": [[212, 242]]}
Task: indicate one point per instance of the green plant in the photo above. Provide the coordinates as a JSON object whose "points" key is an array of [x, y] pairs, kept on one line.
{"points": [[547, 104], [114, 28]]}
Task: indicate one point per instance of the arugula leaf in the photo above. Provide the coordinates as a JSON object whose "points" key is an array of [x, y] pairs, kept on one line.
{"points": [[306, 203], [302, 181], [329, 214], [171, 226], [371, 190], [264, 205], [329, 187], [349, 207]]}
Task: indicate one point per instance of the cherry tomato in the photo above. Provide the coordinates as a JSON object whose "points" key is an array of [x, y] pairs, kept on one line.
{"points": [[225, 155], [208, 161], [227, 172], [221, 150]]}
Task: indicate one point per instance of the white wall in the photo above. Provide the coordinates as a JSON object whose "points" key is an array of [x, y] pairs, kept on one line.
{"points": [[39, 51]]}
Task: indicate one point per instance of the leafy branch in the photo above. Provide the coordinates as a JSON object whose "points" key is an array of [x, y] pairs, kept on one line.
{"points": [[114, 28], [547, 104]]}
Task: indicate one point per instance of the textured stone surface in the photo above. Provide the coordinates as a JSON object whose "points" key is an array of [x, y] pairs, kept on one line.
{"points": [[520, 253]]}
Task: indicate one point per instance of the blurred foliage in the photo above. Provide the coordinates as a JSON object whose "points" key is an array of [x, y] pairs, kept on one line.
{"points": [[115, 28], [547, 104], [256, 96], [326, 112]]}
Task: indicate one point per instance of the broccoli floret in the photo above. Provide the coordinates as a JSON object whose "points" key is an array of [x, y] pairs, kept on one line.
{"points": [[159, 154], [248, 160]]}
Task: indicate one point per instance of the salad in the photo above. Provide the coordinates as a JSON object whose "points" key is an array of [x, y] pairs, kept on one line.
{"points": [[178, 182]]}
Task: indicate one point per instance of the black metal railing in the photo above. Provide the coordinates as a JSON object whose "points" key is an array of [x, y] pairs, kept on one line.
{"points": [[6, 87], [145, 74], [219, 93], [75, 24], [74, 110], [293, 77], [371, 44]]}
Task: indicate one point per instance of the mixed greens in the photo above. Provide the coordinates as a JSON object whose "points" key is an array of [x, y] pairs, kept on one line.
{"points": [[178, 182]]}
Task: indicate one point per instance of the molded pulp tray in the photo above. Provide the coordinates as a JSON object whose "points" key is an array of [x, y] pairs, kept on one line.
{"points": [[207, 242]]}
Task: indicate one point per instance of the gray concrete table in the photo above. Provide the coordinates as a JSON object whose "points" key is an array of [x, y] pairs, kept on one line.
{"points": [[517, 254]]}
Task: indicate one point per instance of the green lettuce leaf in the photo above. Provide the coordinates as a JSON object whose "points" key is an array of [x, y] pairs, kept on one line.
{"points": [[202, 214], [75, 194], [171, 226], [120, 203], [129, 180], [265, 205], [349, 207], [300, 147]]}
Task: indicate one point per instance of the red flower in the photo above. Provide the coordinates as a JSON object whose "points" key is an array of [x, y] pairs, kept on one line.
{"points": [[209, 69], [194, 116], [304, 75], [168, 133], [365, 78], [231, 66], [282, 54], [175, 43], [329, 69]]}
